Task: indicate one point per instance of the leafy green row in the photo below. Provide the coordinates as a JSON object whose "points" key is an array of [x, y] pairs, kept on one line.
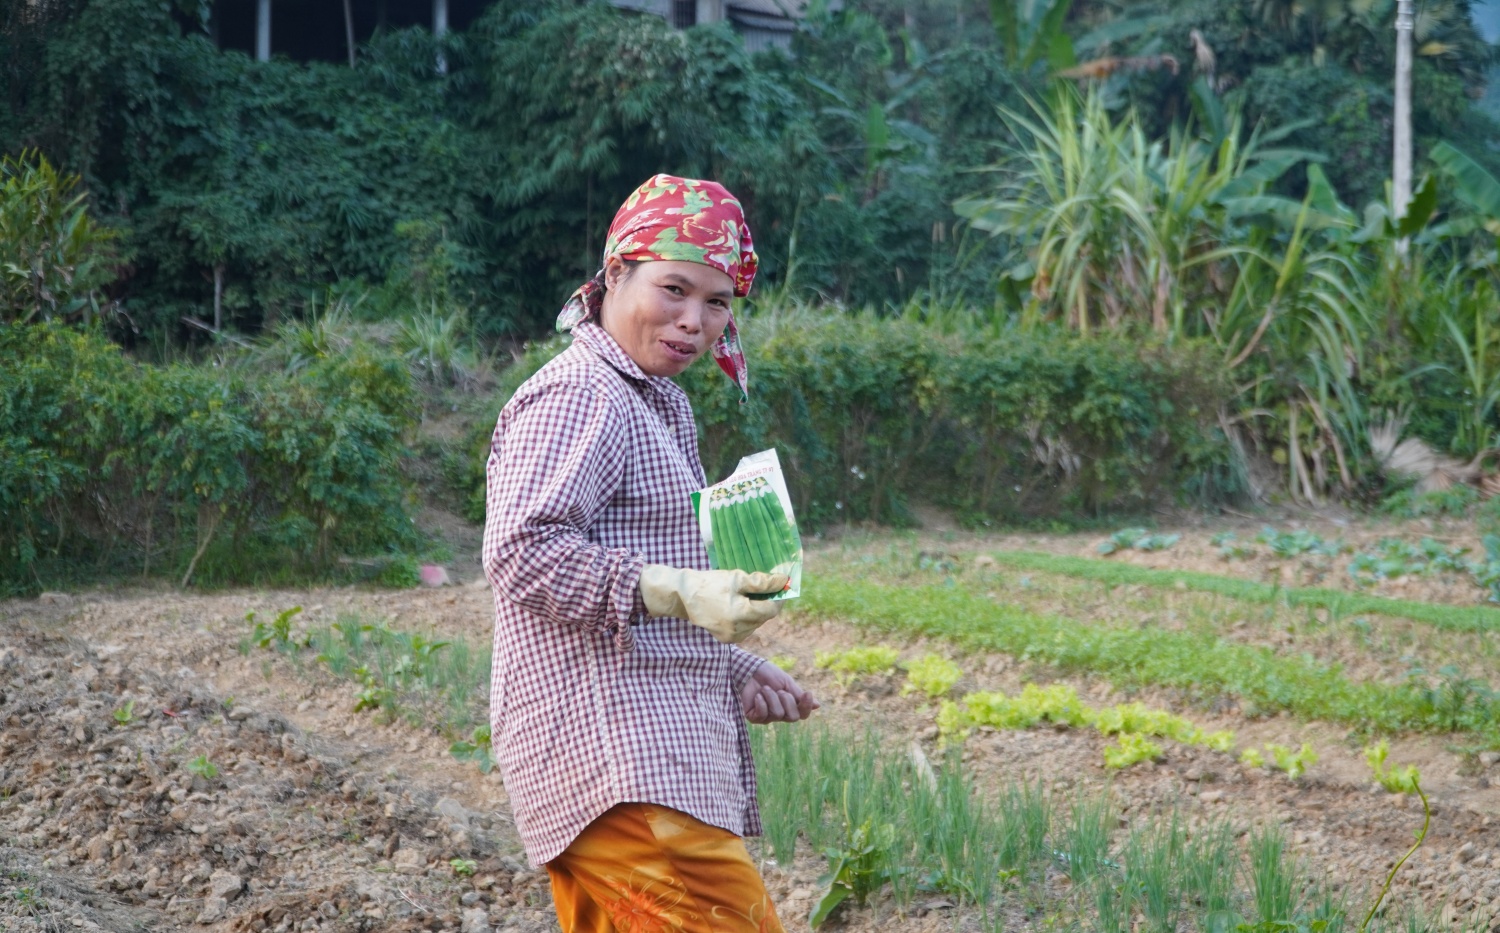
{"points": [[1201, 664], [1453, 618]]}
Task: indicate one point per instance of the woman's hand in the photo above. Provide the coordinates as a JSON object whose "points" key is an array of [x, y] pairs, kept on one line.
{"points": [[771, 695]]}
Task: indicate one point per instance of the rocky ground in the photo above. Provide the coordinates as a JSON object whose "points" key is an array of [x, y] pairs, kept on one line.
{"points": [[154, 777]]}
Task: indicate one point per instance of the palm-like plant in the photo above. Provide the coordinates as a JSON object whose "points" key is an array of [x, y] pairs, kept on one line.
{"points": [[1118, 229]]}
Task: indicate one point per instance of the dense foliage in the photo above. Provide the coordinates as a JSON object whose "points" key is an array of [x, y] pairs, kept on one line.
{"points": [[870, 415], [222, 472], [1179, 201], [248, 187], [54, 257]]}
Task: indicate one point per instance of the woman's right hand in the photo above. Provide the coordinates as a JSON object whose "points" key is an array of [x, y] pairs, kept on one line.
{"points": [[715, 600]]}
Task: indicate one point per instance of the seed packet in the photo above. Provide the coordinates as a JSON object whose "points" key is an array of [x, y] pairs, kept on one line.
{"points": [[747, 523]]}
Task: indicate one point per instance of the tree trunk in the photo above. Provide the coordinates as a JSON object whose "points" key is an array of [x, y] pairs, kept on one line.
{"points": [[218, 296]]}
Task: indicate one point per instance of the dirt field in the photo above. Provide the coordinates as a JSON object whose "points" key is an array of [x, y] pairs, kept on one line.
{"points": [[244, 794]]}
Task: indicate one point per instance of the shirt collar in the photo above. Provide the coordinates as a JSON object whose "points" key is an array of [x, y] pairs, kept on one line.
{"points": [[597, 339]]}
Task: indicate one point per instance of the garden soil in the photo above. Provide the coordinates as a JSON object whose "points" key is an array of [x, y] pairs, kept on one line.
{"points": [[241, 794]]}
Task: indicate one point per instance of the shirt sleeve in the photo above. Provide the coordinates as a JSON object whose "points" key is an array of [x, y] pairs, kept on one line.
{"points": [[742, 664], [555, 465]]}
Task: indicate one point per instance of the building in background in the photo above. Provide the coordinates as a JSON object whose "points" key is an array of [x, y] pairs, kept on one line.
{"points": [[764, 24], [326, 30]]}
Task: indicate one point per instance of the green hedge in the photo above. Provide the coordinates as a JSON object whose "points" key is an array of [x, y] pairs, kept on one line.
{"points": [[222, 471], [871, 414]]}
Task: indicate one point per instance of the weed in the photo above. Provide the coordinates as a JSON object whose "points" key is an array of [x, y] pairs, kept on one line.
{"points": [[857, 868], [1391, 876], [125, 714], [1454, 501], [278, 634], [850, 665], [476, 749], [1130, 749], [784, 661], [400, 573], [1396, 780], [932, 675], [203, 768], [463, 867], [1457, 701]]}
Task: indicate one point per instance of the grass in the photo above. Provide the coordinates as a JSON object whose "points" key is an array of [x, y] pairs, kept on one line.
{"points": [[1200, 664], [1453, 618]]}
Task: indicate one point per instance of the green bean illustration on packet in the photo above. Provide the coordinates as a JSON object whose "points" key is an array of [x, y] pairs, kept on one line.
{"points": [[749, 528]]}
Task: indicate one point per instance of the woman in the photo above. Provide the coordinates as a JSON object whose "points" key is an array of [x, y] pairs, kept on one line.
{"points": [[619, 698]]}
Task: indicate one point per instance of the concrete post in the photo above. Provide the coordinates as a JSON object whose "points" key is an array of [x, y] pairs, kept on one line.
{"points": [[1401, 160], [262, 30], [440, 29], [710, 11]]}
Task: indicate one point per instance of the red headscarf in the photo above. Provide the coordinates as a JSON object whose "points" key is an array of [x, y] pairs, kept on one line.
{"points": [[684, 219]]}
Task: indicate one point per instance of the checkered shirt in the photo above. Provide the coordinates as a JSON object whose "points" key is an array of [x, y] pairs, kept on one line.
{"points": [[592, 701]]}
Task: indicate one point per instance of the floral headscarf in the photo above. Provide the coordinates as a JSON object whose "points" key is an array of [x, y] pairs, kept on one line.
{"points": [[684, 219]]}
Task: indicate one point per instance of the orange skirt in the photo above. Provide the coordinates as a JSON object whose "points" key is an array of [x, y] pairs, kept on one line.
{"points": [[642, 868]]}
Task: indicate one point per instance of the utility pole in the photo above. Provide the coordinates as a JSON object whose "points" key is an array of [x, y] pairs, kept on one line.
{"points": [[1401, 162], [263, 30]]}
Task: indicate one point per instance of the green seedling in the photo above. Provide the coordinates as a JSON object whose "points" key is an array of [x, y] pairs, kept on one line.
{"points": [[932, 675], [784, 661], [372, 696], [203, 768], [1130, 749], [278, 634], [1297, 543], [463, 867], [1229, 547], [848, 666], [1060, 705], [476, 749], [1294, 762], [1396, 780], [1138, 539], [125, 714]]}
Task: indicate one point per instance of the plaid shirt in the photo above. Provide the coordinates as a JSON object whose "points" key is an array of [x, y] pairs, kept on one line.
{"points": [[592, 701]]}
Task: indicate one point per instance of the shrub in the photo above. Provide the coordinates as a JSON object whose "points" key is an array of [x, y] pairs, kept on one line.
{"points": [[53, 256], [185, 467], [869, 413]]}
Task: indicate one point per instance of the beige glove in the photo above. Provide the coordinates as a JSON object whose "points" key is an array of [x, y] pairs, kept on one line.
{"points": [[715, 600]]}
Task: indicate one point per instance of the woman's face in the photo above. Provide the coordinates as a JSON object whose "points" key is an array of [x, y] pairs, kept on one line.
{"points": [[665, 313]]}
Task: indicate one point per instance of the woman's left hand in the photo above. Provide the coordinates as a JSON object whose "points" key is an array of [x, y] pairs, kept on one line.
{"points": [[771, 695]]}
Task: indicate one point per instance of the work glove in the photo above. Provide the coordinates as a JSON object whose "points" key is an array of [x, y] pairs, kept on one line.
{"points": [[716, 600]]}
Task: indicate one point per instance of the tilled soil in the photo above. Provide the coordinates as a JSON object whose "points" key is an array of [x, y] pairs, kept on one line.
{"points": [[109, 825], [318, 818]]}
